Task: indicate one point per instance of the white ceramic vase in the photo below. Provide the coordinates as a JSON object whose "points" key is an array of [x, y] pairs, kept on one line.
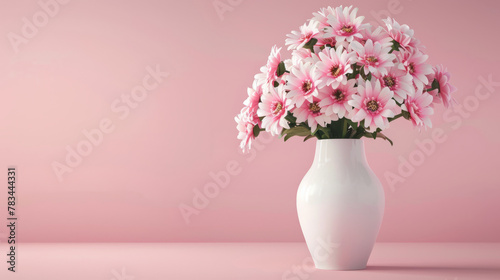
{"points": [[340, 204]]}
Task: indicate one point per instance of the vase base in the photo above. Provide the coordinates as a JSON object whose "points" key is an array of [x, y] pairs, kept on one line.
{"points": [[340, 268]]}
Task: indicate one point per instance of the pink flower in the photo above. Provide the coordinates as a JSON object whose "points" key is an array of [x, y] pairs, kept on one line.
{"points": [[274, 107], [253, 99], [379, 35], [374, 57], [300, 56], [312, 113], [414, 63], [269, 72], [344, 24], [323, 41], [302, 83], [322, 17], [334, 101], [445, 89], [245, 129], [399, 33], [402, 34], [333, 65], [399, 82], [373, 104], [297, 40], [419, 108]]}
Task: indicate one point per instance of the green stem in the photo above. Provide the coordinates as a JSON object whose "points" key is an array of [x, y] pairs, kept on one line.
{"points": [[344, 128], [396, 117]]}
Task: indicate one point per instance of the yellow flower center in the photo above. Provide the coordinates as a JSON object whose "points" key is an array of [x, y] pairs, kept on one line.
{"points": [[372, 106], [335, 70], [278, 108], [389, 81], [306, 86], [347, 28], [372, 59], [314, 107], [338, 95], [411, 68]]}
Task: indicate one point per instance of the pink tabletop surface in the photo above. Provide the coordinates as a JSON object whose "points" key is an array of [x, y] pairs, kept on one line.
{"points": [[72, 74], [256, 261]]}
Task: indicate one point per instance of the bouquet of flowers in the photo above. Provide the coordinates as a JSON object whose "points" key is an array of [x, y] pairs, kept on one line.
{"points": [[345, 79]]}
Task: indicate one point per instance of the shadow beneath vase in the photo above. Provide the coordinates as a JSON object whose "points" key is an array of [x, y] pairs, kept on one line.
{"points": [[444, 270]]}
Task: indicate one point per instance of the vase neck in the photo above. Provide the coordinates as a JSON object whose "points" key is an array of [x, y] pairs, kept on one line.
{"points": [[346, 151]]}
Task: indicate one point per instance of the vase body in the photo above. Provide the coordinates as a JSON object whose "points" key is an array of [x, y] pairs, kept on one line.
{"points": [[340, 204]]}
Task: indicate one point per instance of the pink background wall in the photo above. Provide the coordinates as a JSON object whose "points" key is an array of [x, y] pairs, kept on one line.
{"points": [[66, 77]]}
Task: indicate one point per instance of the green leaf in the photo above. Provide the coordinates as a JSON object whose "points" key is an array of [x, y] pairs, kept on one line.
{"points": [[344, 127], [290, 118], [296, 131], [336, 129], [354, 125], [310, 44], [281, 69], [376, 135], [380, 135], [325, 132], [395, 46], [313, 133], [369, 77], [308, 137], [256, 130], [406, 115], [360, 131], [276, 84], [435, 85]]}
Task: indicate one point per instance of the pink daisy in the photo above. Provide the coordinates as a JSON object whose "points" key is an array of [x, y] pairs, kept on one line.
{"points": [[373, 104], [374, 57], [399, 33], [419, 107], [402, 34], [445, 89], [322, 17], [297, 40], [344, 24], [414, 63], [334, 101], [398, 81], [253, 99], [274, 107], [245, 129], [302, 83], [379, 35], [301, 56], [283, 78], [323, 41], [312, 113], [269, 72], [333, 65]]}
